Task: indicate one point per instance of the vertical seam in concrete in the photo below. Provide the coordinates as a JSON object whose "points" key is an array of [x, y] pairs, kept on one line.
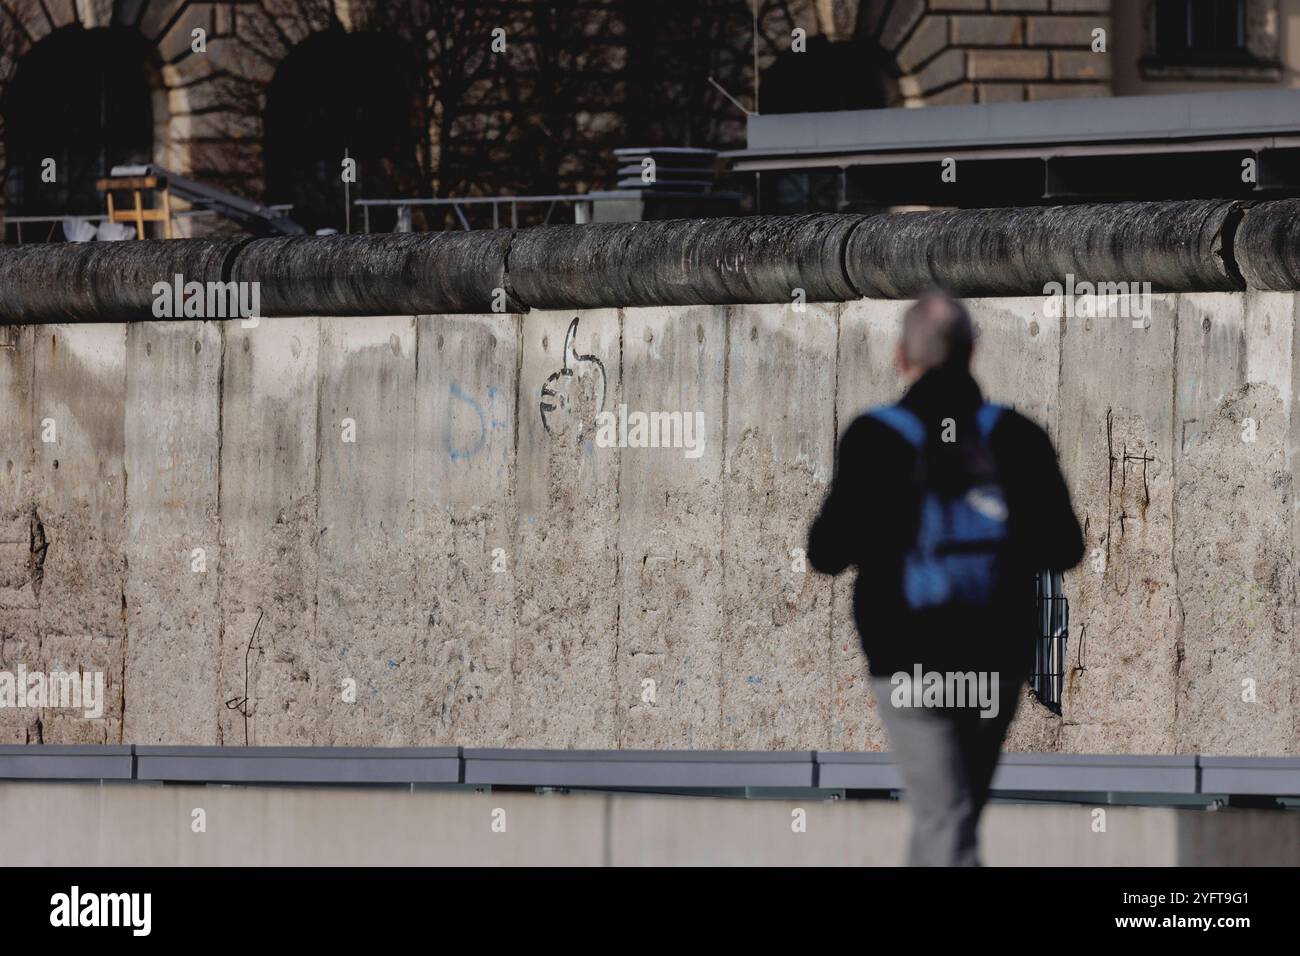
{"points": [[618, 555], [1058, 408], [221, 542], [1290, 458], [413, 519], [1174, 449], [126, 550], [831, 672], [30, 506], [511, 298], [316, 529], [1110, 478], [1059, 413], [724, 623], [516, 548], [1288, 461]]}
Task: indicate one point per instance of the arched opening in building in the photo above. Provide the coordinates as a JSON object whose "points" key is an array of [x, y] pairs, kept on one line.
{"points": [[84, 99], [344, 95], [850, 75]]}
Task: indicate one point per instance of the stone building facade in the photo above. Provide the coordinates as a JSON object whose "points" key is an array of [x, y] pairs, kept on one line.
{"points": [[265, 97]]}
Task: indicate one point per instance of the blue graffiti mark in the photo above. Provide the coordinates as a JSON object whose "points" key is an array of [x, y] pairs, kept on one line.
{"points": [[753, 679], [392, 663], [461, 454], [496, 423]]}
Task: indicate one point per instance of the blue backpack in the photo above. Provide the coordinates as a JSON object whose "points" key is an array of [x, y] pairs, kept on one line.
{"points": [[956, 560]]}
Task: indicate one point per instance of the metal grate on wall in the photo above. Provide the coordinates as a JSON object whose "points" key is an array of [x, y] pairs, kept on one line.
{"points": [[1047, 679]]}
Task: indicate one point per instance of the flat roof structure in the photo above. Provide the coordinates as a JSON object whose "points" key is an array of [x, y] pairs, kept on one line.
{"points": [[1182, 145]]}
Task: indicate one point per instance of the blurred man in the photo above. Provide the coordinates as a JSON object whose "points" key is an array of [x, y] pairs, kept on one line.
{"points": [[948, 506]]}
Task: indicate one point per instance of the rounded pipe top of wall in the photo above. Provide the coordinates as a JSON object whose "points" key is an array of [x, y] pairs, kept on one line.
{"points": [[1182, 246]]}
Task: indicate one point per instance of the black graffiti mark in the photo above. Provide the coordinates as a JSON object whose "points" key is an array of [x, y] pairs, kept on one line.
{"points": [[38, 547], [553, 400], [241, 703]]}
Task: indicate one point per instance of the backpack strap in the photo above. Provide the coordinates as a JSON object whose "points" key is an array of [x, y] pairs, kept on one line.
{"points": [[912, 430], [986, 419], [898, 419]]}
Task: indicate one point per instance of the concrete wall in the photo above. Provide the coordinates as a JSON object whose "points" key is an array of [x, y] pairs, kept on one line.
{"points": [[128, 825], [489, 575]]}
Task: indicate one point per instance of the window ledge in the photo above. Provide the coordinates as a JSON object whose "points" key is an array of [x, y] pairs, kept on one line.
{"points": [[1241, 70]]}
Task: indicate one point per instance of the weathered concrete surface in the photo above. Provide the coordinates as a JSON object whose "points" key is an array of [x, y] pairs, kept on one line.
{"points": [[1116, 448], [566, 555], [269, 685], [865, 377], [366, 614], [19, 592], [465, 421], [670, 535], [1235, 575], [780, 438], [486, 572], [172, 533], [80, 500], [85, 825]]}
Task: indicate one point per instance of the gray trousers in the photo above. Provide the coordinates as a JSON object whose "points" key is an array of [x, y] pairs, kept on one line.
{"points": [[946, 758]]}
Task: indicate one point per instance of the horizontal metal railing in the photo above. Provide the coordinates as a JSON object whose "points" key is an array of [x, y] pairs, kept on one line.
{"points": [[582, 203], [53, 222]]}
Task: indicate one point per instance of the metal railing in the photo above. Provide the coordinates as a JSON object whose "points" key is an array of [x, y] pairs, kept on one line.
{"points": [[582, 207], [53, 222]]}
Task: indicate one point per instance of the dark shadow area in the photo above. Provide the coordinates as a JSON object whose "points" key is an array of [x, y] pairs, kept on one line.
{"points": [[828, 76], [338, 93], [83, 98]]}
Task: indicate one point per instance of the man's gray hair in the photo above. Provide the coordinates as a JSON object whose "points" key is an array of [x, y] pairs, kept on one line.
{"points": [[937, 331]]}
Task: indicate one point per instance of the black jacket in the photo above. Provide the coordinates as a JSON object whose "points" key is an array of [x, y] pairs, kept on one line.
{"points": [[869, 517]]}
